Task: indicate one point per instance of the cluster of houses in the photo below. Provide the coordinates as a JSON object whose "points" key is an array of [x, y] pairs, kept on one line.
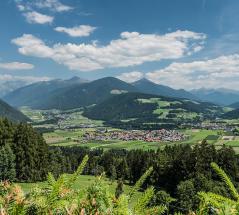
{"points": [[210, 126], [162, 135]]}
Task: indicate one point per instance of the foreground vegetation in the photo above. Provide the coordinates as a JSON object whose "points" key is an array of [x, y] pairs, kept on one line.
{"points": [[57, 196], [180, 174]]}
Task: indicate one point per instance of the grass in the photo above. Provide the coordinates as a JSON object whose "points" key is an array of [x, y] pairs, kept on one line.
{"points": [[163, 112], [196, 136], [34, 115], [82, 182]]}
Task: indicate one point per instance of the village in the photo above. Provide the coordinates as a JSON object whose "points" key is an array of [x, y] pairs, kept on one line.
{"points": [[162, 135]]}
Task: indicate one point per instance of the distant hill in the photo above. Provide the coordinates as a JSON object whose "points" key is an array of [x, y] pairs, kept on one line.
{"points": [[35, 94], [218, 96], [234, 105], [9, 86], [233, 114], [60, 94], [145, 110], [146, 86], [6, 111]]}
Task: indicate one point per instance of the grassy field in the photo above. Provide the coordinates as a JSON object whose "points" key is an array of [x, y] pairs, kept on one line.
{"points": [[34, 115], [82, 182]]}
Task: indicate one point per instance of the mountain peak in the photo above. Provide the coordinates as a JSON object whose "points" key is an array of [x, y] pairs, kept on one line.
{"points": [[76, 79], [143, 80]]}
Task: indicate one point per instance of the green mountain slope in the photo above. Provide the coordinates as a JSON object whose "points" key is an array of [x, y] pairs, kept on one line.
{"points": [[71, 96], [6, 111], [144, 110], [146, 86], [36, 94]]}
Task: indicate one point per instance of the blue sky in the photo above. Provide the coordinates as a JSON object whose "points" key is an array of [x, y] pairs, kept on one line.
{"points": [[181, 43]]}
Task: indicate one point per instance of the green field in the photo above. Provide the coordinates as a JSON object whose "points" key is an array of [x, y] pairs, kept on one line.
{"points": [[73, 137], [82, 182], [194, 136]]}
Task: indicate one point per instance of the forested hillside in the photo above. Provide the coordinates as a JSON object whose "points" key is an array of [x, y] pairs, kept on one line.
{"points": [[137, 110], [11, 113]]}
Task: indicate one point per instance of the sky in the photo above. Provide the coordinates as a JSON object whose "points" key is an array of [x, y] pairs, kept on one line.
{"points": [[179, 43]]}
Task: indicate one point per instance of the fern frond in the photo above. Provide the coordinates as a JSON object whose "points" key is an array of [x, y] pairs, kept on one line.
{"points": [[50, 179], [140, 182], [144, 200], [215, 199], [158, 210], [79, 171], [226, 180]]}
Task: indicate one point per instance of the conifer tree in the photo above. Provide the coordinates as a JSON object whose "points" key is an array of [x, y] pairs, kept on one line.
{"points": [[7, 163]]}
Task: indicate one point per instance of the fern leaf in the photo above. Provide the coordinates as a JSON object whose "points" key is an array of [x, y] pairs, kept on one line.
{"points": [[226, 180], [140, 182]]}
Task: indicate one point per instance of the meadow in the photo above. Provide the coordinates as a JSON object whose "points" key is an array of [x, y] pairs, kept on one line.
{"points": [[82, 183]]}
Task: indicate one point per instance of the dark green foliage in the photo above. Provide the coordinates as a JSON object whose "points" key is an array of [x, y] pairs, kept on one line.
{"points": [[24, 153], [233, 114], [31, 151], [186, 193], [127, 106], [7, 163], [175, 168], [6, 111]]}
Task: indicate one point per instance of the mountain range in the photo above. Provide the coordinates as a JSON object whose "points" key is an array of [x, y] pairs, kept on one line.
{"points": [[76, 92], [219, 96], [111, 98]]}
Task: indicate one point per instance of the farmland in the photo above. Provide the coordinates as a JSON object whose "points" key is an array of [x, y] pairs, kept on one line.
{"points": [[72, 126]]}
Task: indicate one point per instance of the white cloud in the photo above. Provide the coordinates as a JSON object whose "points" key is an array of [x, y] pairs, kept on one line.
{"points": [[16, 66], [130, 76], [219, 72], [54, 5], [21, 7], [38, 18], [28, 79], [32, 46], [77, 31], [132, 48]]}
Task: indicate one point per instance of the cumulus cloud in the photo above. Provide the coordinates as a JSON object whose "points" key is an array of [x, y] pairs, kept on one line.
{"points": [[16, 66], [32, 46], [130, 76], [38, 18], [132, 48], [219, 72], [54, 5], [77, 31], [28, 9]]}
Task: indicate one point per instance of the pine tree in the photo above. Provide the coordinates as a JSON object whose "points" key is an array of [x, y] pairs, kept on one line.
{"points": [[7, 163], [31, 153]]}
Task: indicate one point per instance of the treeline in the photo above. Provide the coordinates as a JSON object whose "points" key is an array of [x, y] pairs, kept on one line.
{"points": [[181, 171]]}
